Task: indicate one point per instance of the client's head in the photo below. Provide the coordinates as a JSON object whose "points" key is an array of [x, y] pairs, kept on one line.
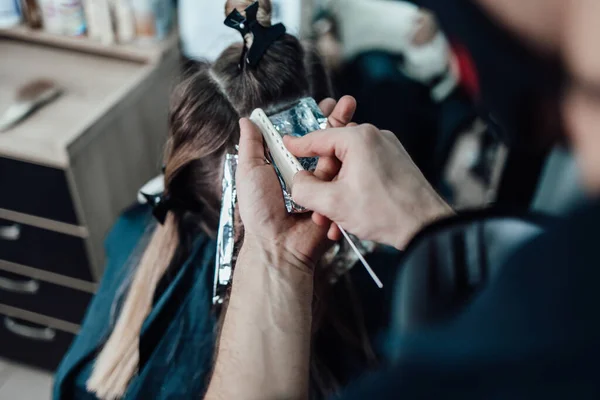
{"points": [[205, 110], [207, 105]]}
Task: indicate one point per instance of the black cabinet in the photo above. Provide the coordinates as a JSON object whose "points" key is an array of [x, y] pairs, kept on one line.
{"points": [[44, 249], [36, 190], [31, 343], [43, 297]]}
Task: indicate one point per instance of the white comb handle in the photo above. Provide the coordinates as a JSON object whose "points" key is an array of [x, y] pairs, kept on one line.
{"points": [[287, 164]]}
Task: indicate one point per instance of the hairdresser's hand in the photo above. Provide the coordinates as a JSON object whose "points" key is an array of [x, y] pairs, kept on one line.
{"points": [[379, 193], [260, 198], [262, 209]]}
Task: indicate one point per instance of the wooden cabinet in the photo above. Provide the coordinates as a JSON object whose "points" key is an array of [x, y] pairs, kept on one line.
{"points": [[65, 175]]}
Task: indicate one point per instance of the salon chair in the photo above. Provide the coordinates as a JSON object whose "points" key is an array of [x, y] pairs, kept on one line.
{"points": [[448, 263], [560, 188]]}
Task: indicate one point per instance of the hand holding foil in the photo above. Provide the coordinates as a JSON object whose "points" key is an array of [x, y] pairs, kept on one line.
{"points": [[379, 194], [262, 208], [340, 257]]}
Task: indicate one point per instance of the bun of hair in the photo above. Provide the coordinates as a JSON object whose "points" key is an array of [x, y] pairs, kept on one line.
{"points": [[264, 9]]}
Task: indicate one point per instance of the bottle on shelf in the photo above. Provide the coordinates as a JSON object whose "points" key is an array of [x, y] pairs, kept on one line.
{"points": [[31, 14], [99, 22], [63, 17], [124, 20], [10, 13]]}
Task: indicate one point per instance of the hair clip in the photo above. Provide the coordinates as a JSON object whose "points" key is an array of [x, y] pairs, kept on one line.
{"points": [[160, 204], [263, 36]]}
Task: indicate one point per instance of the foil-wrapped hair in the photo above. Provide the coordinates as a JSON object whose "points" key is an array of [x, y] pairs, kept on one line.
{"points": [[299, 120], [225, 257]]}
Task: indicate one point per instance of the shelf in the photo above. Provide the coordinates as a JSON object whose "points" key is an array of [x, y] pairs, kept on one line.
{"points": [[150, 53]]}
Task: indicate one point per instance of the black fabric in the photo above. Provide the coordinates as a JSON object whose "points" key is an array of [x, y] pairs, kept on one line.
{"points": [[455, 259], [389, 100], [533, 332], [156, 332]]}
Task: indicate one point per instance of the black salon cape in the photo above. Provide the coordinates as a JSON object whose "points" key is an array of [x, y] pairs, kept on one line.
{"points": [[176, 339], [534, 332]]}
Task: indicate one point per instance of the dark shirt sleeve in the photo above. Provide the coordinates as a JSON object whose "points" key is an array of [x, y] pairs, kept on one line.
{"points": [[532, 333]]}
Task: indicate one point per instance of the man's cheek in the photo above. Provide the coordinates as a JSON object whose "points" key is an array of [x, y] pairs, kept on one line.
{"points": [[582, 119]]}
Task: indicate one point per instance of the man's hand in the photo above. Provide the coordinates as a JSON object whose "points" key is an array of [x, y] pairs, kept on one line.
{"points": [[378, 192], [262, 208]]}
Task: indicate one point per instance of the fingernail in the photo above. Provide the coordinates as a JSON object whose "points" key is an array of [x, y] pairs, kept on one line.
{"points": [[241, 125]]}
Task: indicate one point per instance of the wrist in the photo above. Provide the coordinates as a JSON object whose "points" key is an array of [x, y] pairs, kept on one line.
{"points": [[431, 208], [275, 254], [269, 275]]}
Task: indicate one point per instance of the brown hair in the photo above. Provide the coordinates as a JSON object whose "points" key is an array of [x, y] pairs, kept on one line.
{"points": [[205, 110]]}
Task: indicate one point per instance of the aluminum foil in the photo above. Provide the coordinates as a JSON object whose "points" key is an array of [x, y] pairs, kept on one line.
{"points": [[341, 258], [303, 118], [226, 234]]}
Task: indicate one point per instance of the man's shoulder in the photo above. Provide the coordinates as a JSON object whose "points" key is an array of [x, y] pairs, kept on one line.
{"points": [[531, 332]]}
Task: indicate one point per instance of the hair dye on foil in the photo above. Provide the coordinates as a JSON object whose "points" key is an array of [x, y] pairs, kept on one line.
{"points": [[303, 118], [225, 257]]}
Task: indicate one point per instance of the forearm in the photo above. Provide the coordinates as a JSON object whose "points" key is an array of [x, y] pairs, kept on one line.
{"points": [[264, 348]]}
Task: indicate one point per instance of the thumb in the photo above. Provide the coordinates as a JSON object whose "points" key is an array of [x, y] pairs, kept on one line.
{"points": [[251, 152], [315, 194]]}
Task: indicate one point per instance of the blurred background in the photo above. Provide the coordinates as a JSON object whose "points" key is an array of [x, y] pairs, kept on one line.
{"points": [[84, 94]]}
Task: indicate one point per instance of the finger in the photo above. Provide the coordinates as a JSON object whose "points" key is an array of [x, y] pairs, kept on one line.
{"points": [[351, 124], [389, 134], [332, 142], [327, 168], [342, 113], [251, 150], [327, 106], [320, 220], [315, 194], [334, 233]]}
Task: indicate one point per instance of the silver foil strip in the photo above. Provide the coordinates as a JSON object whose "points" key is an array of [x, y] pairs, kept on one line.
{"points": [[340, 258], [226, 234], [302, 118]]}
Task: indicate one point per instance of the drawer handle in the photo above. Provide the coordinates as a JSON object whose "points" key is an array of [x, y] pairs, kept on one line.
{"points": [[27, 287], [41, 334], [10, 232]]}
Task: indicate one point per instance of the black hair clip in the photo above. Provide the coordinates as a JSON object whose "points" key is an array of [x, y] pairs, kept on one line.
{"points": [[160, 204], [263, 36]]}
